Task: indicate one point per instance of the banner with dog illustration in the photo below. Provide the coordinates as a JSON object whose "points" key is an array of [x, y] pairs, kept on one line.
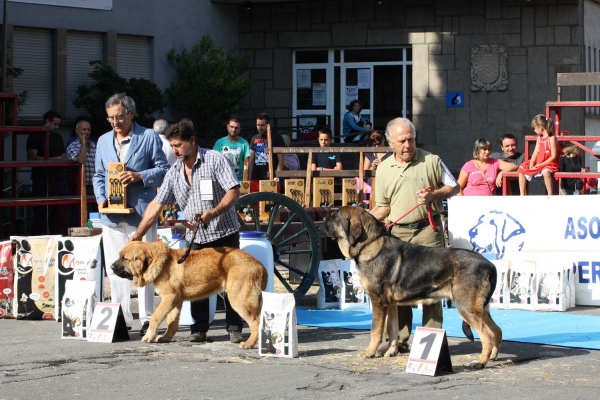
{"points": [[353, 296], [7, 281], [542, 229], [330, 286], [35, 268], [77, 308], [278, 333], [79, 259]]}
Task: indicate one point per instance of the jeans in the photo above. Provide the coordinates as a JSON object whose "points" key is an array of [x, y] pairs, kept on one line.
{"points": [[574, 192], [200, 309]]}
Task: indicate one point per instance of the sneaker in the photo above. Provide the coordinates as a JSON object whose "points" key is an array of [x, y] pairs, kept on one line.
{"points": [[235, 337], [197, 337], [144, 328]]}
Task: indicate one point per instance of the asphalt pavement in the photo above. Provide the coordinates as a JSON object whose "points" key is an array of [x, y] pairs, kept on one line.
{"points": [[36, 363]]}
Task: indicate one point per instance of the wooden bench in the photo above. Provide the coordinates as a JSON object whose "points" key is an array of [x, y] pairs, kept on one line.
{"points": [[557, 176]]}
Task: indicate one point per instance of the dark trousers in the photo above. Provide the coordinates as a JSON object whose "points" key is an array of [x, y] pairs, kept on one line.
{"points": [[200, 309]]}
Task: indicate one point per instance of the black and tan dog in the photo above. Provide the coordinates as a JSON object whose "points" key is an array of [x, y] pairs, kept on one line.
{"points": [[204, 273], [394, 272]]}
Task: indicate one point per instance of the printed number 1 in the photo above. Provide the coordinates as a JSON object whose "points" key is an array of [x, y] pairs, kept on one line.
{"points": [[103, 325], [429, 339]]}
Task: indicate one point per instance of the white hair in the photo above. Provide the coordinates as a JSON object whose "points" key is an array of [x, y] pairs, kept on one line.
{"points": [[399, 121], [160, 125]]}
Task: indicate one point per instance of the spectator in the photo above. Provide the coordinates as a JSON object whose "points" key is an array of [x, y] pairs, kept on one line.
{"points": [[201, 142], [258, 167], [290, 160], [73, 136], [571, 162], [83, 151], [216, 212], [402, 182], [544, 160], [235, 148], [326, 161], [48, 181], [481, 176], [509, 145], [354, 123], [372, 160], [146, 165], [160, 126]]}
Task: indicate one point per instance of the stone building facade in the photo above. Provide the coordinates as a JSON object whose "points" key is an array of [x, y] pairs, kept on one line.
{"points": [[539, 37]]}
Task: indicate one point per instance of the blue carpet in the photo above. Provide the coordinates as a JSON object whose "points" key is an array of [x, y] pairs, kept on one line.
{"points": [[552, 328]]}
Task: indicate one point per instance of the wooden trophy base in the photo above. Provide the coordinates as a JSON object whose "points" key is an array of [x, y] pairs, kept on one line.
{"points": [[116, 210]]}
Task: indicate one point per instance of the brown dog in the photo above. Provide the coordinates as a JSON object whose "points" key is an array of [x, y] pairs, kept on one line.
{"points": [[204, 272], [394, 273]]}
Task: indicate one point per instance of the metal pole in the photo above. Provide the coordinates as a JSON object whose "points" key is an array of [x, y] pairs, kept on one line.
{"points": [[5, 48]]}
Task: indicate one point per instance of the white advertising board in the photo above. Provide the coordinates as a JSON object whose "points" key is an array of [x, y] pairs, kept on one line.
{"points": [[543, 229]]}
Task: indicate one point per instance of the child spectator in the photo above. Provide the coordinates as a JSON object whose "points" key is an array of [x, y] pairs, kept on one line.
{"points": [[571, 162], [326, 161], [544, 160]]}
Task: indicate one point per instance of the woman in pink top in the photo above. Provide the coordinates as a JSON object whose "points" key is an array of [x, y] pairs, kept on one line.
{"points": [[480, 176]]}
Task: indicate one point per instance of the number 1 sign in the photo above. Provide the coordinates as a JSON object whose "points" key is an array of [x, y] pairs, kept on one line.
{"points": [[429, 352], [108, 324]]}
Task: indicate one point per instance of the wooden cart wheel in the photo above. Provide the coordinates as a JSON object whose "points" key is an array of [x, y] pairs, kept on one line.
{"points": [[296, 235]]}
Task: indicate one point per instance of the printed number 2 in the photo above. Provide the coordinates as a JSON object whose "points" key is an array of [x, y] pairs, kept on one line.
{"points": [[350, 19], [429, 339], [103, 325]]}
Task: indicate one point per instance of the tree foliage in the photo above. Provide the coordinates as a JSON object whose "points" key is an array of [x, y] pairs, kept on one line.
{"points": [[147, 96], [209, 86]]}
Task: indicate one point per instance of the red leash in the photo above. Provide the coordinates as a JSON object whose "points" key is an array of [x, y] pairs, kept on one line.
{"points": [[429, 214]]}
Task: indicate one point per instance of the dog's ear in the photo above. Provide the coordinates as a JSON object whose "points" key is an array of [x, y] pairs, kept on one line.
{"points": [[156, 257], [355, 229]]}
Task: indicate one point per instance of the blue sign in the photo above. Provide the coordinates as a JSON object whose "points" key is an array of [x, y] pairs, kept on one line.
{"points": [[455, 99]]}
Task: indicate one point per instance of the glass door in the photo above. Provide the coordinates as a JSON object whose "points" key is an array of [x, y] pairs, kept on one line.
{"points": [[357, 84]]}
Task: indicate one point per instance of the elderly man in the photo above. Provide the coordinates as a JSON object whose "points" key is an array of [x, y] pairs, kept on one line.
{"points": [[83, 151], [146, 165], [412, 176], [160, 126]]}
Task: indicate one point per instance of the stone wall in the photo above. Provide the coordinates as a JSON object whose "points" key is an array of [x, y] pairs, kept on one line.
{"points": [[541, 37]]}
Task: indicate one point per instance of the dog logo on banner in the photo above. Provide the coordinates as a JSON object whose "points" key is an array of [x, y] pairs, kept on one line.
{"points": [[497, 232]]}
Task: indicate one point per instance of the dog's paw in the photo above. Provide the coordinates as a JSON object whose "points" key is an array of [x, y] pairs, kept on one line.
{"points": [[164, 339], [391, 352], [247, 345], [476, 365], [384, 347], [368, 354], [148, 338]]}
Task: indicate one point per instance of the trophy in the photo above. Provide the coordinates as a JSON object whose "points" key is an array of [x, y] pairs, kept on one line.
{"points": [[323, 192], [294, 189], [117, 195]]}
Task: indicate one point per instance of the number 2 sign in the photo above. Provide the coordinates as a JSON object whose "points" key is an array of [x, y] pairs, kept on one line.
{"points": [[429, 352], [108, 324]]}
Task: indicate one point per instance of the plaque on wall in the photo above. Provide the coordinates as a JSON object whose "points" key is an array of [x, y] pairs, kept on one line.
{"points": [[488, 68]]}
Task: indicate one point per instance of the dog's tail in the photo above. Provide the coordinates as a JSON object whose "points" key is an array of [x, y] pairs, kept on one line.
{"points": [[466, 328]]}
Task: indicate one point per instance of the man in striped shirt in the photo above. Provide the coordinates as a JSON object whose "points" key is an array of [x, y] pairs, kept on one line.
{"points": [[206, 188]]}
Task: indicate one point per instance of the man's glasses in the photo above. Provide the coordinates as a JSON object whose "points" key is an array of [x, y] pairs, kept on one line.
{"points": [[115, 118]]}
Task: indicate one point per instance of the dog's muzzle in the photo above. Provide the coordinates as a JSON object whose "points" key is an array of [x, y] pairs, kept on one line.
{"points": [[119, 270]]}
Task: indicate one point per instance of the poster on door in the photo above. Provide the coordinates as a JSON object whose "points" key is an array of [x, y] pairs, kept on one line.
{"points": [[351, 94], [364, 78], [319, 97], [303, 78]]}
